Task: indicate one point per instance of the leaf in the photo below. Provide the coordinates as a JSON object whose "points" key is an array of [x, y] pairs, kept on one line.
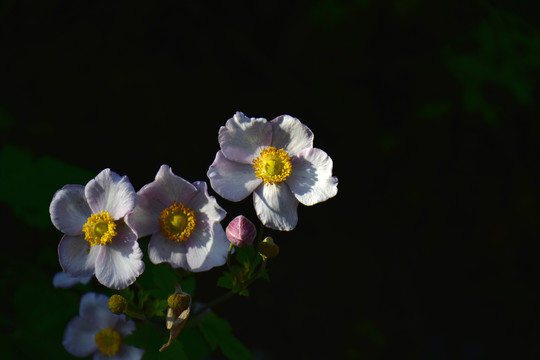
{"points": [[226, 280], [194, 344], [244, 292], [244, 254], [33, 181], [128, 294], [188, 285], [157, 308], [213, 329], [233, 348], [150, 339], [164, 278], [218, 333]]}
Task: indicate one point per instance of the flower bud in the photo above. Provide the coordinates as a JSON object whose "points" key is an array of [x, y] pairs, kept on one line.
{"points": [[268, 249], [177, 313], [241, 231], [117, 304], [178, 302]]}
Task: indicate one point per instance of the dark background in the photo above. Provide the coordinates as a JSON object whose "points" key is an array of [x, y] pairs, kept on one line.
{"points": [[428, 109]]}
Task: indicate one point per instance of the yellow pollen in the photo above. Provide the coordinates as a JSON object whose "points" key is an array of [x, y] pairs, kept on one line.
{"points": [[272, 166], [99, 229], [177, 222], [108, 341]]}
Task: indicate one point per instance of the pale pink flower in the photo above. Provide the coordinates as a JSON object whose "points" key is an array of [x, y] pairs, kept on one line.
{"points": [[184, 222], [96, 239], [276, 161]]}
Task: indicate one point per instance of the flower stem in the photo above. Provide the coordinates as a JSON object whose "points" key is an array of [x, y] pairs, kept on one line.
{"points": [[135, 314], [257, 275], [231, 246], [139, 316], [213, 303]]}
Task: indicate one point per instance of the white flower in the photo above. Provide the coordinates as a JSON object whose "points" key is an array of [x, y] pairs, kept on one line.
{"points": [[64, 281], [184, 222], [276, 161], [97, 240], [98, 332]]}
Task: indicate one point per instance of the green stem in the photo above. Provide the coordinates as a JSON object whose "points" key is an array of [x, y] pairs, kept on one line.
{"points": [[258, 274], [139, 316], [135, 314], [260, 233], [231, 246], [213, 303]]}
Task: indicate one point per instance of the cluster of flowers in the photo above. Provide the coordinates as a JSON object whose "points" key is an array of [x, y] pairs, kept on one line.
{"points": [[102, 221]]}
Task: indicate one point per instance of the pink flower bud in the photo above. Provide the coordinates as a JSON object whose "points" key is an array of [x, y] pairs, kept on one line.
{"points": [[241, 231]]}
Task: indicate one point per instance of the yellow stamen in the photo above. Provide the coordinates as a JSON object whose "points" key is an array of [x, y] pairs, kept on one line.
{"points": [[108, 341], [272, 166], [99, 229], [177, 222]]}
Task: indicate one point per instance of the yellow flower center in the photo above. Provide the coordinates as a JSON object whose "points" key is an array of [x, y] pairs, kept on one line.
{"points": [[177, 222], [99, 229], [108, 341], [272, 166]]}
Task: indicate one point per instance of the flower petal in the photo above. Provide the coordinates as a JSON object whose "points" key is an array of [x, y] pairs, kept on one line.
{"points": [[120, 263], [79, 337], [69, 210], [111, 192], [75, 257], [207, 247], [276, 206], [94, 309], [232, 180], [290, 134], [126, 352], [64, 281], [168, 188], [204, 205], [145, 217], [161, 249], [242, 138], [311, 180], [124, 327]]}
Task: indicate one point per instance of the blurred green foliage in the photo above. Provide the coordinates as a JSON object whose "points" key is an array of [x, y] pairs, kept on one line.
{"points": [[28, 182]]}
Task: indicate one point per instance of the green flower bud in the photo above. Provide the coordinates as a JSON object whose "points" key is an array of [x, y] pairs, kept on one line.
{"points": [[178, 302], [118, 304], [268, 249]]}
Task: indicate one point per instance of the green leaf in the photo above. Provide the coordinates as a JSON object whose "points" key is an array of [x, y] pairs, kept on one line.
{"points": [[244, 254], [164, 278], [213, 329], [244, 292], [128, 294], [218, 333], [33, 181], [151, 339], [233, 348], [194, 344], [157, 308], [188, 285], [226, 280]]}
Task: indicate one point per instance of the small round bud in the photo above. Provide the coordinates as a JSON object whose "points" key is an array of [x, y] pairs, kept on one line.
{"points": [[241, 231], [117, 304], [178, 302], [268, 249]]}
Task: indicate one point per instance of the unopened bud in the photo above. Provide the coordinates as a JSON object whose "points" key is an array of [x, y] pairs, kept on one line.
{"points": [[268, 249], [241, 231], [178, 302], [117, 304]]}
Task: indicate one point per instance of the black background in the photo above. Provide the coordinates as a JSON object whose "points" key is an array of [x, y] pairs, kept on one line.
{"points": [[428, 110]]}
